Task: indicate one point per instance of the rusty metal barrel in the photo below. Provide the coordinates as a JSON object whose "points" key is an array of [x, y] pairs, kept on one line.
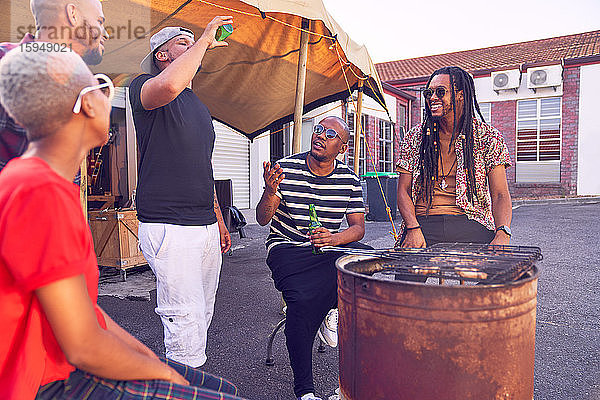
{"points": [[415, 341]]}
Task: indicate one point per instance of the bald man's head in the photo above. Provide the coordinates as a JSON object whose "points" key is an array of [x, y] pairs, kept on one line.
{"points": [[343, 130], [48, 12], [76, 22]]}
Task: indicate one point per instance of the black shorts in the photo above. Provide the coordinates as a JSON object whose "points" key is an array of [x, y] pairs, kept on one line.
{"points": [[452, 228], [448, 229]]}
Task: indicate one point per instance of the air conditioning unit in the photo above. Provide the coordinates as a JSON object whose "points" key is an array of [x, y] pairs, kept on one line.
{"points": [[506, 80], [542, 77]]}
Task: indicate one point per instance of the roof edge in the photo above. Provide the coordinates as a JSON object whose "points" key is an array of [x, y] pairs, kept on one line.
{"points": [[489, 47], [398, 92], [582, 60], [567, 62]]}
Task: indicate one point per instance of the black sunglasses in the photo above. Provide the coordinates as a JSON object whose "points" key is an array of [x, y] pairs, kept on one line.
{"points": [[329, 133], [440, 92]]}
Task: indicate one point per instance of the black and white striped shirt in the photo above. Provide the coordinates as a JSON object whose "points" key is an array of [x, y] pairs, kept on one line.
{"points": [[334, 196]]}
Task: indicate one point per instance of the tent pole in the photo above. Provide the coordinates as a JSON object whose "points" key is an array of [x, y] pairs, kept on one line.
{"points": [[83, 187], [300, 86], [357, 128]]}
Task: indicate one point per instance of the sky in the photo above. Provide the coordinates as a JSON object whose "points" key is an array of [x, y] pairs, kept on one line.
{"points": [[394, 29]]}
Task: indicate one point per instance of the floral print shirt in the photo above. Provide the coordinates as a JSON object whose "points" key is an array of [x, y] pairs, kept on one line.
{"points": [[490, 151]]}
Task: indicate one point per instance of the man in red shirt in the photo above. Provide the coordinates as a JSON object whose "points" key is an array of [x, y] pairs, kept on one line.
{"points": [[80, 27], [55, 341]]}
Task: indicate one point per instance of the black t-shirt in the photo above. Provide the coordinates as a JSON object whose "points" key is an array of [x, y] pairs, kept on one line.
{"points": [[175, 177]]}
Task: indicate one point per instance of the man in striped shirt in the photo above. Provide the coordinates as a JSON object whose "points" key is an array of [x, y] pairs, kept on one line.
{"points": [[308, 281]]}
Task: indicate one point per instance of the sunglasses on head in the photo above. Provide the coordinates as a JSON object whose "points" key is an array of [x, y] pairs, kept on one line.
{"points": [[440, 92], [105, 85], [329, 133]]}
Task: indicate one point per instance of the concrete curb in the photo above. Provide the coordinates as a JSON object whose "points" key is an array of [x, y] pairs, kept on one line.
{"points": [[250, 213], [559, 200]]}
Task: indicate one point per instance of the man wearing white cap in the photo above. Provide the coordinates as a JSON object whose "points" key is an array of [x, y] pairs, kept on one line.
{"points": [[181, 232]]}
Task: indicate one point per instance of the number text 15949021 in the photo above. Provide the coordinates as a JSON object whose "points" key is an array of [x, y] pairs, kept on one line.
{"points": [[46, 47]]}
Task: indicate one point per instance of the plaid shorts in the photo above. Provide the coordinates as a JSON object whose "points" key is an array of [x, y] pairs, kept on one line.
{"points": [[81, 385]]}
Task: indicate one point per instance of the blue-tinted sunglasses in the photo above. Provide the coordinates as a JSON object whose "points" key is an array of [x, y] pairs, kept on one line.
{"points": [[329, 133]]}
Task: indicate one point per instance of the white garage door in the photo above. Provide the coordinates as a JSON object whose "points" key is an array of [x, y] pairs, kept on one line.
{"points": [[231, 160]]}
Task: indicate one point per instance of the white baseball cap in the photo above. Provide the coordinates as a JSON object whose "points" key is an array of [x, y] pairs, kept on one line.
{"points": [[157, 40]]}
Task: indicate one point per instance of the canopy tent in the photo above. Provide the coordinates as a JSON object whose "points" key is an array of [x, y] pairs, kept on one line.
{"points": [[251, 84]]}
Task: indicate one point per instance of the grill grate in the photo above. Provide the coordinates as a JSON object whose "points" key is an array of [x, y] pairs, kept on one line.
{"points": [[460, 262]]}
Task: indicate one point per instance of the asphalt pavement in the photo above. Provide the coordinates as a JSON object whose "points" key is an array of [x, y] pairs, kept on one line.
{"points": [[567, 362]]}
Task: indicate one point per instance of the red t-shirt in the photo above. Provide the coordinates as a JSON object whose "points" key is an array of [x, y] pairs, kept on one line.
{"points": [[43, 238]]}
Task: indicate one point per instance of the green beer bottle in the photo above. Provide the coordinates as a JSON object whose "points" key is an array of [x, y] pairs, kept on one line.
{"points": [[314, 224], [223, 32]]}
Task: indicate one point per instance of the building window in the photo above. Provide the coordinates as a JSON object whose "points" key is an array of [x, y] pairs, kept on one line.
{"points": [[386, 147], [361, 159], [486, 111], [538, 130], [538, 140], [401, 118]]}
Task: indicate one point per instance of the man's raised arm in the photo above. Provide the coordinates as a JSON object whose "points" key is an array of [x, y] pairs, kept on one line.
{"points": [[269, 201], [172, 80]]}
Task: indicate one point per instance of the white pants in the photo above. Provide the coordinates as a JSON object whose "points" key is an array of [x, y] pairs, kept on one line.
{"points": [[186, 261]]}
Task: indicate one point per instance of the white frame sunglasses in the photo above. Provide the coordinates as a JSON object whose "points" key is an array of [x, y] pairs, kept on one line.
{"points": [[329, 133], [107, 83]]}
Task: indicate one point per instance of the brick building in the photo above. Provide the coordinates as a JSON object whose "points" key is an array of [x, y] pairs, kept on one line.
{"points": [[542, 95], [383, 129]]}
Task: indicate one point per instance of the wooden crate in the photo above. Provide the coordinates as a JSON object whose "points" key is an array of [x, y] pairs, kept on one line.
{"points": [[115, 236]]}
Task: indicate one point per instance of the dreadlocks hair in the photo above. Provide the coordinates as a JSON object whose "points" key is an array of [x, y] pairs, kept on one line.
{"points": [[463, 130]]}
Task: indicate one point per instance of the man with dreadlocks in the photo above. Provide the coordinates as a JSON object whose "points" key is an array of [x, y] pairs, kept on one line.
{"points": [[452, 185]]}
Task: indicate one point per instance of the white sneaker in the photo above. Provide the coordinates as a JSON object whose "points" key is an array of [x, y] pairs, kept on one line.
{"points": [[309, 396], [336, 395], [328, 329]]}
